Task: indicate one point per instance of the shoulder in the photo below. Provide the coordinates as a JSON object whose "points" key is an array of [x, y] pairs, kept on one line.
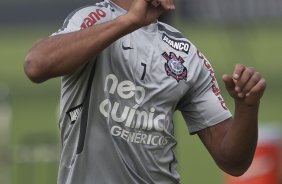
{"points": [[168, 29], [87, 16], [91, 15], [175, 39], [99, 9]]}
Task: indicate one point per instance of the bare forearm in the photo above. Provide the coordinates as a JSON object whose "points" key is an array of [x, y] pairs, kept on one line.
{"points": [[239, 143], [244, 129], [59, 55], [62, 54]]}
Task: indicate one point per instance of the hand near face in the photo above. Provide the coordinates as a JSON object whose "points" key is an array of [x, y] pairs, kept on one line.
{"points": [[144, 12]]}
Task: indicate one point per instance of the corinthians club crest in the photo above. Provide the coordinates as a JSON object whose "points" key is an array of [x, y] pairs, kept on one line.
{"points": [[174, 66]]}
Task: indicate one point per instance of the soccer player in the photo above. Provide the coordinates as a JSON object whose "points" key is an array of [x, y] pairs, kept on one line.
{"points": [[124, 74]]}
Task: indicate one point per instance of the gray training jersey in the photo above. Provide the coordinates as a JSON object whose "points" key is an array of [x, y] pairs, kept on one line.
{"points": [[116, 115]]}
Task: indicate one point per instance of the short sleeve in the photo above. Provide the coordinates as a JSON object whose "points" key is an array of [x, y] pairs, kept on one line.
{"points": [[78, 20], [203, 106], [85, 17]]}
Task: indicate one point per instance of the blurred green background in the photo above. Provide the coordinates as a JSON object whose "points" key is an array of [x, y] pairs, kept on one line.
{"points": [[29, 133]]}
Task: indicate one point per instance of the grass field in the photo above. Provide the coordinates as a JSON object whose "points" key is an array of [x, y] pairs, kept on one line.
{"points": [[34, 130]]}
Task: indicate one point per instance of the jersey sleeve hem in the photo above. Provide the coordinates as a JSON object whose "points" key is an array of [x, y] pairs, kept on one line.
{"points": [[197, 126]]}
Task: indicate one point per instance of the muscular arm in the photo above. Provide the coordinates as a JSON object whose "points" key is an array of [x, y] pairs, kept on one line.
{"points": [[62, 54], [232, 143]]}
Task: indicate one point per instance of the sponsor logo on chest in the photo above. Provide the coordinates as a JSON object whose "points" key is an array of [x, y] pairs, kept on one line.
{"points": [[178, 45], [131, 122]]}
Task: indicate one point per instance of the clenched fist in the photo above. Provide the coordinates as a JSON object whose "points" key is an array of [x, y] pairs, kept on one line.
{"points": [[246, 85]]}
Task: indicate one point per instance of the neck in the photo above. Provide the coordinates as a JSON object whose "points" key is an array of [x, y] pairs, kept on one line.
{"points": [[125, 4]]}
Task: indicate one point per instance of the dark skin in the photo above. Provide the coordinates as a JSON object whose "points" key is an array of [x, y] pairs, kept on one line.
{"points": [[231, 143]]}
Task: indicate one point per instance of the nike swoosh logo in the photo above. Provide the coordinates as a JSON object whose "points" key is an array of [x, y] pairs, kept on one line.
{"points": [[126, 48]]}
